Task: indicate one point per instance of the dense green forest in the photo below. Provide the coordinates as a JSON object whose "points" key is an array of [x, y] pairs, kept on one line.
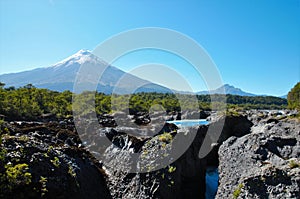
{"points": [[294, 97], [29, 102]]}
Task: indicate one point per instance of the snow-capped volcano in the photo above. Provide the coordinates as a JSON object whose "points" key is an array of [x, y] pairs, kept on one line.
{"points": [[80, 57], [61, 76]]}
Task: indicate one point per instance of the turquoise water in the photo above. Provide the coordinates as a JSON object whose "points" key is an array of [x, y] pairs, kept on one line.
{"points": [[188, 123], [212, 178]]}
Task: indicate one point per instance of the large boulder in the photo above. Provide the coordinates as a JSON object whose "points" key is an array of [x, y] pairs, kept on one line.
{"points": [[263, 164]]}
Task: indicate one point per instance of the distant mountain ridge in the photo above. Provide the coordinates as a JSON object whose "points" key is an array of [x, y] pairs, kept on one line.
{"points": [[283, 96], [228, 90]]}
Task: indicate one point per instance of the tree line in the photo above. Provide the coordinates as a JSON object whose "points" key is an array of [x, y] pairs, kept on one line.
{"points": [[30, 103]]}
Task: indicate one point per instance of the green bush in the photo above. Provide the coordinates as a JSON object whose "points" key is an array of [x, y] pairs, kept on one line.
{"points": [[165, 137]]}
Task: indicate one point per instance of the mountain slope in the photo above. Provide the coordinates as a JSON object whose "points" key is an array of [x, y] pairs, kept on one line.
{"points": [[228, 90], [61, 76], [283, 96]]}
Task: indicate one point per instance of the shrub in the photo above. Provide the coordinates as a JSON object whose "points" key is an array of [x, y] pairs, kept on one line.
{"points": [[55, 162], [171, 169], [165, 137]]}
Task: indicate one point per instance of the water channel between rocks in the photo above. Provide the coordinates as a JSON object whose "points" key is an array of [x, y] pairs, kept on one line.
{"points": [[212, 175]]}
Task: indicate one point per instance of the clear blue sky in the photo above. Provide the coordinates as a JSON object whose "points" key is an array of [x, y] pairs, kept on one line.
{"points": [[254, 43]]}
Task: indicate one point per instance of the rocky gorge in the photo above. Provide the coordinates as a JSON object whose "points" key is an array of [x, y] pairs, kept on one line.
{"points": [[257, 156]]}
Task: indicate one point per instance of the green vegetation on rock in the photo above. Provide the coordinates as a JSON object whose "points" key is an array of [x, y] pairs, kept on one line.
{"points": [[238, 191], [165, 137], [55, 162], [294, 164], [171, 169], [18, 174], [43, 181]]}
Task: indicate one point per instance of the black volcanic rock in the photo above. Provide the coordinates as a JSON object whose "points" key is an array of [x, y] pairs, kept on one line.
{"points": [[37, 162], [236, 126], [185, 177], [257, 153], [263, 164]]}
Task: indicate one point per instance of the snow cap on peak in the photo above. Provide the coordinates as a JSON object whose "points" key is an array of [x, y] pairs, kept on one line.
{"points": [[80, 57], [83, 52]]}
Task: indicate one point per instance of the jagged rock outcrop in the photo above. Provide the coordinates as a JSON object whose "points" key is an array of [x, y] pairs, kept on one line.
{"points": [[47, 161], [230, 125], [184, 178], [263, 164]]}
